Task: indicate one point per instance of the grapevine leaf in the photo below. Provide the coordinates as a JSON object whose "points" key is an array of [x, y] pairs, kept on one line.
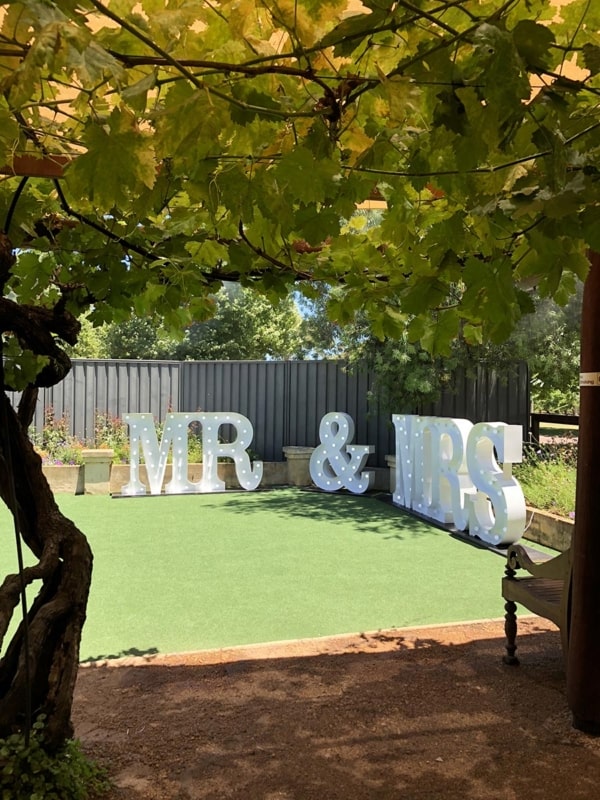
{"points": [[591, 57], [119, 160], [533, 42]]}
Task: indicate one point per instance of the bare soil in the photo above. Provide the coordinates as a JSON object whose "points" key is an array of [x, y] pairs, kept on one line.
{"points": [[412, 714]]}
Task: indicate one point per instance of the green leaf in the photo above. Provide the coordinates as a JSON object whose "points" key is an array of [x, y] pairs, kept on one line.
{"points": [[591, 228], [207, 253], [9, 131], [424, 294], [450, 111], [348, 34], [436, 333], [500, 70], [303, 177], [21, 366], [441, 334], [119, 160], [259, 104], [32, 273], [533, 42], [136, 94], [473, 334], [591, 57]]}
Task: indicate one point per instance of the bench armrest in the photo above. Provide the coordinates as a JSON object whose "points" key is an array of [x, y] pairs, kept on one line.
{"points": [[558, 567]]}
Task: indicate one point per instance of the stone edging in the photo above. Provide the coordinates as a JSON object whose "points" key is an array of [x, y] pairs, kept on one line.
{"points": [[548, 529]]}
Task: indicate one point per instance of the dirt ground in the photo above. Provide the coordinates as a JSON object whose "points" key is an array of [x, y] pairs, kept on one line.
{"points": [[428, 713]]}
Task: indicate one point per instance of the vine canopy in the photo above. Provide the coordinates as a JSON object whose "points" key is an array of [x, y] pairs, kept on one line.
{"points": [[151, 150]]}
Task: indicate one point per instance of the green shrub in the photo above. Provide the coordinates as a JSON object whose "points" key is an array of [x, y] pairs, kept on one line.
{"points": [[30, 772], [547, 477], [194, 447]]}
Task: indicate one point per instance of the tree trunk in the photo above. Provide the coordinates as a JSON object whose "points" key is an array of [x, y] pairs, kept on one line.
{"points": [[57, 614], [583, 683]]}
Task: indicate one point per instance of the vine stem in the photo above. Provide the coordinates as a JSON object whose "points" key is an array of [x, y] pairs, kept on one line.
{"points": [[7, 456]]}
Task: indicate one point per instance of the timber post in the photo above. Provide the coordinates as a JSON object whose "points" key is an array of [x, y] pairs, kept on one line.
{"points": [[583, 682]]}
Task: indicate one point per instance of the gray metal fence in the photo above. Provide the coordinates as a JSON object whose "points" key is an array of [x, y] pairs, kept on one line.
{"points": [[284, 400]]}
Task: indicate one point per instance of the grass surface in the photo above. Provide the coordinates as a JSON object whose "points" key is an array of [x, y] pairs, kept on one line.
{"points": [[557, 429], [199, 571]]}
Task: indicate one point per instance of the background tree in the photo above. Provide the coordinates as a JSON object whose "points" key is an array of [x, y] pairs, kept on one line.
{"points": [[137, 337], [91, 341], [152, 151], [406, 375], [549, 341], [243, 326]]}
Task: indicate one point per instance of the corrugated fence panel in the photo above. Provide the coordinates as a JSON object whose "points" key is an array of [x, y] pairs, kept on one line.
{"points": [[256, 389], [312, 393], [319, 387], [486, 397], [112, 387], [129, 386], [284, 400]]}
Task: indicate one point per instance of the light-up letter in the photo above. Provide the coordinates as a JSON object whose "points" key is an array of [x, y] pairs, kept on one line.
{"points": [[421, 439], [248, 476], [451, 483], [497, 513], [413, 485], [335, 464], [403, 483], [142, 430]]}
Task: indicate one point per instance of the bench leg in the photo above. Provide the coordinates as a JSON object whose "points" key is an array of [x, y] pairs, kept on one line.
{"points": [[510, 629]]}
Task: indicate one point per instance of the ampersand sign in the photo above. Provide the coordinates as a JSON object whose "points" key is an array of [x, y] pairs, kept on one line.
{"points": [[336, 464]]}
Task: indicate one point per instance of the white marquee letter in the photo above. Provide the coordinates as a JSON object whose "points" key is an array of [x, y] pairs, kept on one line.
{"points": [[404, 459], [451, 482], [142, 429], [497, 512], [248, 476], [336, 464]]}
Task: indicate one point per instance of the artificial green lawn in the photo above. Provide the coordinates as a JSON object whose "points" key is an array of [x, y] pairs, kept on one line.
{"points": [[200, 571]]}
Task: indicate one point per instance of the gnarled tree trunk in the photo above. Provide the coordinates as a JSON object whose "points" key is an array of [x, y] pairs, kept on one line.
{"points": [[56, 615], [39, 667]]}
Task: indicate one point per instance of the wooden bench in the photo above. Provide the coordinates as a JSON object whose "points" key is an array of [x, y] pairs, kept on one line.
{"points": [[545, 590]]}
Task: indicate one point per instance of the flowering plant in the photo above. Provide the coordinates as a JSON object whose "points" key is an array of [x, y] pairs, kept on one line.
{"points": [[55, 444], [111, 432]]}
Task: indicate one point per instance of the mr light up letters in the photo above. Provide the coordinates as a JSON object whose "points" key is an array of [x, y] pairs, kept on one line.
{"points": [[142, 432]]}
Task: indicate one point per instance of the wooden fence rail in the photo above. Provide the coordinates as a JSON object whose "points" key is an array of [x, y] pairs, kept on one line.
{"points": [[556, 419]]}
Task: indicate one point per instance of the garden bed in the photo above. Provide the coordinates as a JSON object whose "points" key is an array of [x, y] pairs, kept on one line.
{"points": [[548, 529], [65, 478]]}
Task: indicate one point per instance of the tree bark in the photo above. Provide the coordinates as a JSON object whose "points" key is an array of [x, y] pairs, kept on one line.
{"points": [[583, 683], [57, 614]]}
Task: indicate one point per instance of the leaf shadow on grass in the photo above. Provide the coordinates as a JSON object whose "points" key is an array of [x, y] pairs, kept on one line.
{"points": [[131, 652], [364, 511]]}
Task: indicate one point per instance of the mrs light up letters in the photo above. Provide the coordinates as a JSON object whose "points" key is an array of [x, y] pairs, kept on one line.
{"points": [[446, 469], [142, 432]]}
